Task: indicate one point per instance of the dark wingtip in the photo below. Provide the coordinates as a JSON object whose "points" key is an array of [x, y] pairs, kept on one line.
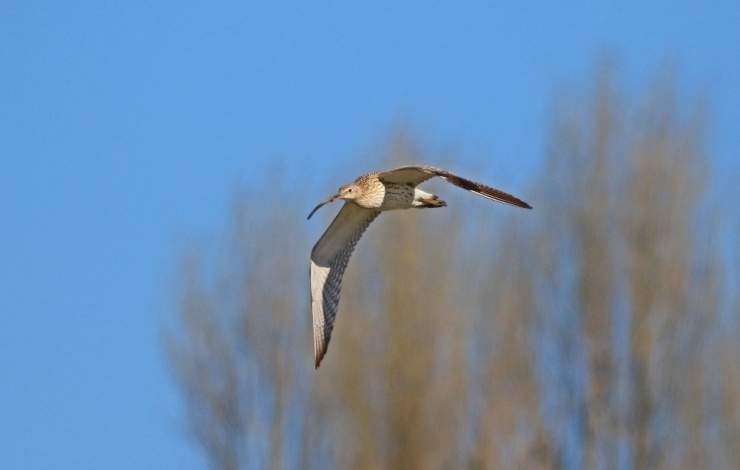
{"points": [[319, 353], [513, 201], [506, 198]]}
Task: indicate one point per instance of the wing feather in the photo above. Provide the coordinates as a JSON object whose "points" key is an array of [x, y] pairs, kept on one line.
{"points": [[416, 175], [329, 259]]}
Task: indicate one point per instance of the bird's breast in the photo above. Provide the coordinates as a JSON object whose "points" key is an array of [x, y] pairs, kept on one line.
{"points": [[396, 196]]}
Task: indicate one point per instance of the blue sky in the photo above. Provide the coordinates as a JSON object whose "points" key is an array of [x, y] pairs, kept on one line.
{"points": [[126, 126]]}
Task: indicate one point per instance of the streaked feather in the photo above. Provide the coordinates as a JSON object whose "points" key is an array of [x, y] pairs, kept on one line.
{"points": [[416, 175], [329, 259]]}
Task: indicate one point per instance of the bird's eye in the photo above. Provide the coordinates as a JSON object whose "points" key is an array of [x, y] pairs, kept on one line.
{"points": [[349, 190]]}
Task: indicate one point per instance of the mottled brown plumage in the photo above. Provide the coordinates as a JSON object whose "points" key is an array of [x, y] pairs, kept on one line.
{"points": [[364, 200]]}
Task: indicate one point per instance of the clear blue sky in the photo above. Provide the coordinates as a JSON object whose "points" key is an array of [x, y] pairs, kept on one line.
{"points": [[125, 126]]}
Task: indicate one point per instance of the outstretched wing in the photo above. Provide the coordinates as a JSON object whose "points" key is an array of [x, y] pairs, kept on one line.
{"points": [[415, 175], [329, 259]]}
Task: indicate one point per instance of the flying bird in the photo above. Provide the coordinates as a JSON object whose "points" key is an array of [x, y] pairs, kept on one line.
{"points": [[364, 200]]}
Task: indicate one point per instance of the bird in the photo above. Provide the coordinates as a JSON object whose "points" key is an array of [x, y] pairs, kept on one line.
{"points": [[365, 199]]}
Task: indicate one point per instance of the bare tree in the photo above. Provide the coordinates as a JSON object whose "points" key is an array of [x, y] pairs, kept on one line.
{"points": [[508, 425], [584, 334], [632, 271], [239, 339]]}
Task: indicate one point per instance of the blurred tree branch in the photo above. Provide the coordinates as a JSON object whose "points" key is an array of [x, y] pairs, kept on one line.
{"points": [[583, 334]]}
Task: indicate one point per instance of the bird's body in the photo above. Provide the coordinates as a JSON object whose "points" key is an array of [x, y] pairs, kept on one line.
{"points": [[371, 191], [365, 199]]}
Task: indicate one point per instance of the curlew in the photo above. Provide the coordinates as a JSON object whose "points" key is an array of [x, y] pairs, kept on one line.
{"points": [[364, 200]]}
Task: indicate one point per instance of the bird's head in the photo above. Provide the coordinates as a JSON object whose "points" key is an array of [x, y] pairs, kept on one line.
{"points": [[347, 192]]}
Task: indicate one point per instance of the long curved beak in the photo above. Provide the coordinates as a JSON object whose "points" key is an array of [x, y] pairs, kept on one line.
{"points": [[331, 199]]}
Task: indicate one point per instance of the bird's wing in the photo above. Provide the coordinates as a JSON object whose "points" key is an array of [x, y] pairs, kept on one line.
{"points": [[416, 175], [413, 175], [329, 259]]}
